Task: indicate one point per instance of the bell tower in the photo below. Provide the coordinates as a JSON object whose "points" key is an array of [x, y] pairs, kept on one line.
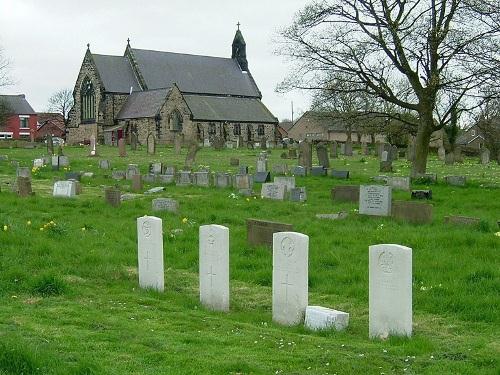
{"points": [[239, 50]]}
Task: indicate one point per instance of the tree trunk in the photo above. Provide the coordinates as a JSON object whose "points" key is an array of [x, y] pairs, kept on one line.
{"points": [[421, 149]]}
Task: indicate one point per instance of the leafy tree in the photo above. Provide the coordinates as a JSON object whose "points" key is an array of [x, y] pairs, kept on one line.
{"points": [[422, 56]]}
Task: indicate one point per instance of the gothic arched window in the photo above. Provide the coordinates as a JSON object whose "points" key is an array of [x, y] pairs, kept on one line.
{"points": [[87, 99], [176, 121]]}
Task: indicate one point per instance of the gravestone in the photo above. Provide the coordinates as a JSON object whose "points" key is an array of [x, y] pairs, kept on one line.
{"points": [[318, 170], [280, 169], [133, 141], [322, 154], [223, 180], [485, 156], [178, 144], [136, 182], [23, 172], [462, 220], [24, 186], [149, 178], [421, 194], [305, 154], [299, 171], [390, 291], [112, 196], [191, 155], [64, 189], [218, 143], [262, 163], [441, 153], [263, 143], [260, 232], [346, 193], [154, 190], [337, 216], [456, 180], [165, 204], [234, 162], [290, 277], [289, 182], [412, 212], [214, 267], [334, 150], [243, 169], [118, 175], [364, 149], [206, 142], [243, 181], [320, 318], [375, 200], [344, 175], [150, 252], [165, 178], [385, 166], [381, 179], [449, 158], [298, 194], [184, 178], [132, 169], [55, 162], [104, 164], [63, 161], [38, 163], [273, 191], [348, 148], [77, 176], [151, 144], [399, 183], [384, 156], [155, 168], [261, 177], [50, 145], [122, 152], [394, 153], [93, 150], [201, 179], [410, 151]]}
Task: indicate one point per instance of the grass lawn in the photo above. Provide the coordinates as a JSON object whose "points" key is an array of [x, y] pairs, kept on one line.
{"points": [[70, 302]]}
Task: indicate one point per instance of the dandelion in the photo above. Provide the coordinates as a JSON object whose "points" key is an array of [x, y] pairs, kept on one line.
{"points": [[497, 234], [28, 222], [185, 220], [248, 199], [41, 229], [5, 227], [83, 229]]}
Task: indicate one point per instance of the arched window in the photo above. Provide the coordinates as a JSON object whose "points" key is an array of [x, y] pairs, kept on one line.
{"points": [[176, 121], [237, 129], [260, 130], [87, 99]]}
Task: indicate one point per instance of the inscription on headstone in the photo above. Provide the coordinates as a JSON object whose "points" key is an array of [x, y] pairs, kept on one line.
{"points": [[375, 200]]}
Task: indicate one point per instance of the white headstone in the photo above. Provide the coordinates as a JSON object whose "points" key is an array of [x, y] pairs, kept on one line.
{"points": [[150, 252], [64, 189], [385, 156], [273, 191], [38, 163], [321, 318], [399, 183], [214, 267], [289, 182], [290, 277], [375, 200], [390, 291], [262, 163]]}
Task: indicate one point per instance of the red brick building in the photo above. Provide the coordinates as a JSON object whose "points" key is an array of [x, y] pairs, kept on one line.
{"points": [[50, 123], [22, 120]]}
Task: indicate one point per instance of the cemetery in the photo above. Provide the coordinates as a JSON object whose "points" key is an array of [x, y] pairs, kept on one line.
{"points": [[285, 267]]}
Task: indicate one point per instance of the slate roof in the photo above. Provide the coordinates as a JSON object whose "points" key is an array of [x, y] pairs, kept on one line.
{"points": [[194, 74], [233, 109], [116, 73], [18, 104], [143, 104]]}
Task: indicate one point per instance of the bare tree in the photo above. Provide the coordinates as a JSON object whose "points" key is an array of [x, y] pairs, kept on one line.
{"points": [[61, 102], [423, 56], [5, 79]]}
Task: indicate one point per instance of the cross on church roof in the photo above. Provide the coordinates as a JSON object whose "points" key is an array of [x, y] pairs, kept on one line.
{"points": [[238, 24], [128, 41]]}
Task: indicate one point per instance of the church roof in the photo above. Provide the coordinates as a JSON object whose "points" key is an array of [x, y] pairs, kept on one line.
{"points": [[142, 104], [233, 109], [194, 74], [116, 73], [17, 104]]}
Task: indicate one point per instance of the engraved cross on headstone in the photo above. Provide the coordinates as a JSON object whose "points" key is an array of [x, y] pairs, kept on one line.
{"points": [[212, 274], [286, 284], [147, 258]]}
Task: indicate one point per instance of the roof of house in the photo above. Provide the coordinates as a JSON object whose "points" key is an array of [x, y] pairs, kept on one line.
{"points": [[286, 125], [333, 122], [142, 104], [232, 109], [18, 104], [54, 118], [116, 73], [194, 73]]}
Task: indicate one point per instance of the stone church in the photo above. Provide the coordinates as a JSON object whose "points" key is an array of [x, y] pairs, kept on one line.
{"points": [[172, 96]]}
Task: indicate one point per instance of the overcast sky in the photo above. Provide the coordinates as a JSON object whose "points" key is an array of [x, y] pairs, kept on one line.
{"points": [[46, 39]]}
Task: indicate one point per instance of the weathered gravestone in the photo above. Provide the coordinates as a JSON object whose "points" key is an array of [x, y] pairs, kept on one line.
{"points": [[375, 200], [112, 196], [223, 180], [399, 183], [184, 178], [24, 186], [318, 170], [165, 204], [38, 163], [348, 148], [150, 252], [262, 163], [133, 141], [421, 194], [462, 220], [201, 179], [149, 178], [384, 156], [93, 143], [299, 171], [263, 143], [344, 175], [50, 145], [151, 144], [441, 153], [290, 277], [132, 169], [346, 193], [305, 154], [218, 143], [273, 191], [485, 156], [122, 152], [118, 175], [261, 177], [385, 166], [23, 172], [364, 149], [449, 158], [456, 180], [55, 162], [337, 216], [320, 318], [322, 154], [298, 194], [334, 150], [394, 153], [280, 169], [77, 176], [390, 291], [104, 164], [136, 182], [289, 182], [412, 212], [243, 169], [165, 178], [214, 267], [234, 162], [260, 232], [64, 189], [155, 168], [243, 181], [63, 161]]}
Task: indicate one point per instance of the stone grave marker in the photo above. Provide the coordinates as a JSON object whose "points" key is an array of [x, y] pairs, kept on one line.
{"points": [[151, 144], [223, 180], [201, 179], [149, 178], [169, 170], [93, 143], [234, 162], [262, 177], [55, 162], [289, 182], [441, 153], [421, 194], [132, 169], [394, 153], [456, 180], [23, 172], [337, 216], [243, 181], [298, 194], [50, 145], [305, 154], [344, 175], [364, 149], [118, 175], [246, 192], [184, 178], [24, 186], [342, 148], [273, 191], [375, 200], [136, 182], [322, 154], [384, 156], [262, 163], [64, 189], [122, 152], [280, 169], [485, 156], [165, 204], [412, 212], [318, 170], [166, 178], [133, 141], [214, 267], [104, 164], [462, 220], [63, 161], [299, 171], [321, 318], [243, 169], [155, 168], [399, 183], [154, 190], [112, 196], [385, 166], [334, 150], [38, 163], [150, 252], [390, 291], [77, 176], [380, 179], [346, 193], [290, 277], [260, 232], [348, 149]]}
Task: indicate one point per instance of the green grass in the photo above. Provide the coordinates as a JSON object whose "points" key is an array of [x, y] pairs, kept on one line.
{"points": [[70, 302]]}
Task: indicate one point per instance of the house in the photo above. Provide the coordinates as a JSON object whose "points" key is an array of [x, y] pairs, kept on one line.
{"points": [[472, 138], [170, 95], [327, 126], [22, 119], [50, 123]]}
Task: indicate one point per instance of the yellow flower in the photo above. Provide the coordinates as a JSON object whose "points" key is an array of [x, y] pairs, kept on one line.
{"points": [[185, 220], [83, 229], [497, 234], [28, 222], [5, 227], [41, 229], [248, 199]]}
